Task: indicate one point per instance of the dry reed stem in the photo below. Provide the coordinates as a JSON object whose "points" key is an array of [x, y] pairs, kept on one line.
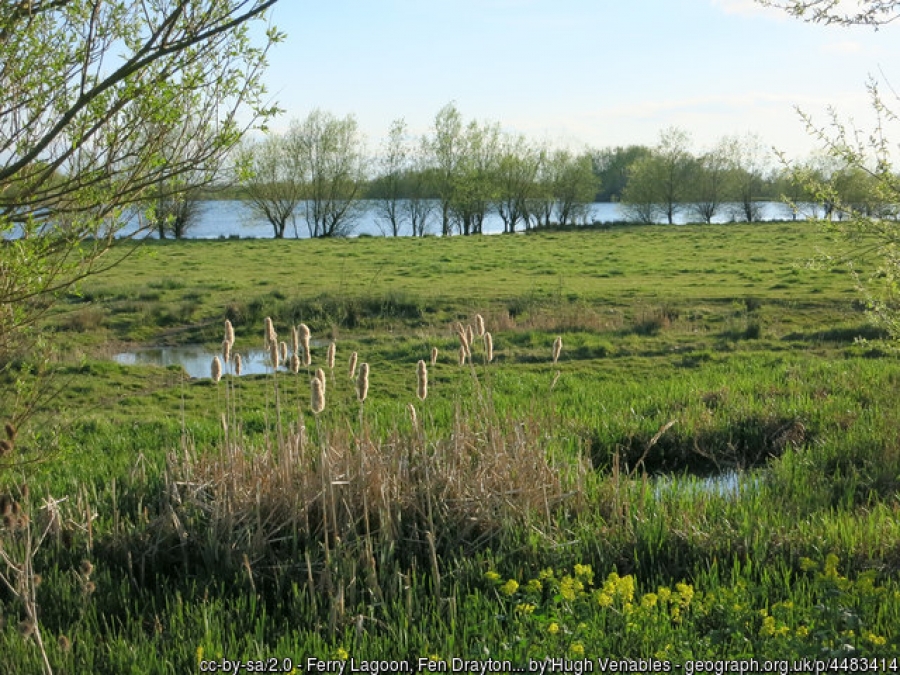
{"points": [[557, 348], [422, 380], [362, 383], [413, 417], [479, 325]]}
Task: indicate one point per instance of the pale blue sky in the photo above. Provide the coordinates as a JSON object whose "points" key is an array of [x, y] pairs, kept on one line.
{"points": [[576, 72]]}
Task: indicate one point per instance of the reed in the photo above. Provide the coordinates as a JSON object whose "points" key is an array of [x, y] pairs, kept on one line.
{"points": [[557, 348], [320, 375], [229, 332], [434, 356], [479, 325], [303, 330], [422, 380], [330, 355], [216, 369], [352, 367], [488, 347], [317, 403], [238, 365], [362, 383]]}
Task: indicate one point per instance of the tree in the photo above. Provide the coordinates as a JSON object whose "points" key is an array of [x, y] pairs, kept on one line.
{"points": [[515, 179], [394, 165], [100, 103], [658, 183], [612, 165], [747, 166], [710, 184], [445, 151], [574, 186], [473, 187], [272, 181], [863, 233], [329, 152]]}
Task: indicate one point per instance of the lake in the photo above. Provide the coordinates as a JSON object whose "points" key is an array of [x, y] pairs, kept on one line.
{"points": [[232, 218]]}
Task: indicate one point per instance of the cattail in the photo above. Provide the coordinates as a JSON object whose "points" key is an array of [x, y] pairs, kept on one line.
{"points": [[65, 645], [422, 377], [216, 369], [318, 395], [470, 337], [295, 363], [274, 354], [229, 332], [304, 343], [5, 448], [488, 347], [412, 415], [362, 382], [284, 352], [10, 431], [353, 358], [434, 355], [464, 341], [557, 348], [238, 364], [479, 325], [462, 354], [320, 375], [271, 335], [295, 340], [226, 350], [329, 357]]}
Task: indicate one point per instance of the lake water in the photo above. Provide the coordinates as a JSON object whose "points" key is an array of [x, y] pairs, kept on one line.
{"points": [[231, 218], [196, 360]]}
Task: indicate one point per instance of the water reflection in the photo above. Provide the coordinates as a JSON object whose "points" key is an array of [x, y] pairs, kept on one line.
{"points": [[726, 484], [195, 359]]}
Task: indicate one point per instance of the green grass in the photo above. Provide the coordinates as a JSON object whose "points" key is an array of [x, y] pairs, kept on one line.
{"points": [[687, 352]]}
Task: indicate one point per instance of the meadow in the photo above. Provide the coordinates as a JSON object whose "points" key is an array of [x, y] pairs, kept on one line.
{"points": [[709, 469]]}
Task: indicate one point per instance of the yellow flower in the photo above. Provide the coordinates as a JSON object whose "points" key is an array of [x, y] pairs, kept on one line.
{"points": [[604, 599], [577, 649], [510, 587], [553, 628], [768, 627], [664, 593], [831, 563], [199, 654], [585, 573], [569, 587], [649, 600], [492, 576], [625, 587], [802, 631], [877, 640], [546, 573], [808, 565], [534, 586], [341, 654], [686, 591], [525, 608]]}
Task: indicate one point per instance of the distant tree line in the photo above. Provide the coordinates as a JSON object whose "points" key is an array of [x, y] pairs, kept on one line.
{"points": [[318, 177]]}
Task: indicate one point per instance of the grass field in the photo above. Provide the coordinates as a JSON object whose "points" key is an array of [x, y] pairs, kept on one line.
{"points": [[709, 470]]}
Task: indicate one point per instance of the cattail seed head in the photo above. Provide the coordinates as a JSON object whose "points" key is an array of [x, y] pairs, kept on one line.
{"points": [[318, 395], [462, 354], [86, 567], [557, 348], [226, 351], [295, 340], [488, 347], [215, 370], [479, 325], [303, 330], [271, 335], [353, 358], [274, 354], [320, 375], [284, 352], [229, 332], [329, 357], [412, 415], [464, 341], [470, 337], [10, 431], [295, 363], [238, 364], [434, 355], [422, 377], [362, 382]]}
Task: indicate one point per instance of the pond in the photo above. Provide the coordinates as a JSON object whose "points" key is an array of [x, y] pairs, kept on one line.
{"points": [[196, 360], [732, 483]]}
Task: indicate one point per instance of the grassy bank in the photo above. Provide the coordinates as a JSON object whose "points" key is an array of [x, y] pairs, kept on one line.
{"points": [[520, 512]]}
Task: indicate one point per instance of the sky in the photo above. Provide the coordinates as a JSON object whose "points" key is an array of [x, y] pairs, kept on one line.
{"points": [[578, 73]]}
